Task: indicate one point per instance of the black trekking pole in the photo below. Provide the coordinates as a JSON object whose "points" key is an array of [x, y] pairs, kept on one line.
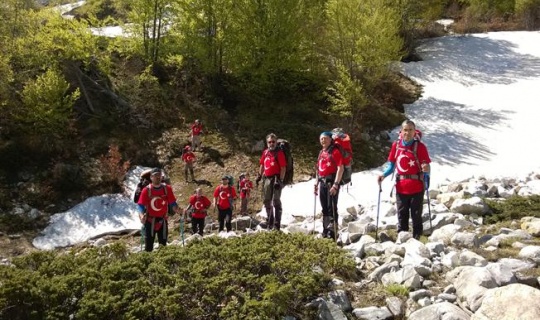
{"points": [[426, 182], [182, 228], [378, 209]]}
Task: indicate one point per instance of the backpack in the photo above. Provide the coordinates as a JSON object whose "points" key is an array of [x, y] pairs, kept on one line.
{"points": [[285, 146], [143, 182], [347, 169]]}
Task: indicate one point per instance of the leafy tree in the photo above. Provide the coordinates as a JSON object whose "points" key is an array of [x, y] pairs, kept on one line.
{"points": [[362, 39], [47, 104], [528, 11], [150, 20], [413, 16]]}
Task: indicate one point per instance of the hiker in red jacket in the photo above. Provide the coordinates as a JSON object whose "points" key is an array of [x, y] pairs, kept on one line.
{"points": [[198, 205], [329, 174], [273, 166], [411, 159], [224, 197], [154, 203], [245, 186], [188, 157], [196, 133]]}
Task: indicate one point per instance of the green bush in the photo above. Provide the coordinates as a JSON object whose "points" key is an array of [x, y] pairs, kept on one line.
{"points": [[263, 276], [513, 208]]}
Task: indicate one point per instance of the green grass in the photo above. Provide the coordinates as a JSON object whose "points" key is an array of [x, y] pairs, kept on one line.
{"points": [[513, 208]]}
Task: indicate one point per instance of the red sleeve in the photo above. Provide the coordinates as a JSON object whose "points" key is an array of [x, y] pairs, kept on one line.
{"points": [[170, 195], [392, 154], [192, 200], [422, 153], [281, 159], [207, 202], [143, 199], [216, 192]]}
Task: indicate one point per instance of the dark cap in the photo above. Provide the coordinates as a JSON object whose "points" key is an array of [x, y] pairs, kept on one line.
{"points": [[155, 171], [225, 178], [327, 134]]}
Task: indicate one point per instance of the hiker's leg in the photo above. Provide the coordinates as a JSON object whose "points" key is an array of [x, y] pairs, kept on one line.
{"points": [[325, 206], [148, 237], [186, 171], [221, 219], [194, 225], [267, 193], [403, 207], [335, 215], [196, 140], [201, 225], [191, 171], [417, 201], [162, 233], [277, 208], [228, 219], [243, 206]]}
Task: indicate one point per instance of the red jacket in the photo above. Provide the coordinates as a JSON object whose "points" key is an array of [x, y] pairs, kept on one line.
{"points": [[199, 205]]}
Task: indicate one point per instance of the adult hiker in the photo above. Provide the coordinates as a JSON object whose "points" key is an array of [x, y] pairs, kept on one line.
{"points": [[409, 156], [273, 166], [196, 133], [224, 196], [188, 157], [245, 187], [153, 206], [329, 174], [199, 205]]}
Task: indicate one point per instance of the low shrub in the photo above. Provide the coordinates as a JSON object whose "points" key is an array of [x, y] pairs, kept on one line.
{"points": [[513, 208], [263, 276]]}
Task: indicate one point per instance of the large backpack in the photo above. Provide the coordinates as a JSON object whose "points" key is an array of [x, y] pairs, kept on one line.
{"points": [[285, 146], [143, 182], [343, 142], [347, 169]]}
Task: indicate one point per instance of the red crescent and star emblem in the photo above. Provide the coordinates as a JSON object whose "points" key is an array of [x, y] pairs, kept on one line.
{"points": [[404, 163], [157, 204]]}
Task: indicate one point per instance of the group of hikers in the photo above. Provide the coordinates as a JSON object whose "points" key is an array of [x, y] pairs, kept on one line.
{"points": [[408, 157]]}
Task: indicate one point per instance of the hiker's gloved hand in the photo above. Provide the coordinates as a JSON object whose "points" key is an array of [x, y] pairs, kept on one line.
{"points": [[426, 180], [277, 184], [316, 189], [380, 179], [259, 177]]}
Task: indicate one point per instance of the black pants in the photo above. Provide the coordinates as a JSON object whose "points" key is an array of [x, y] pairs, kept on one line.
{"points": [[410, 205], [197, 225], [150, 234], [224, 218], [272, 203], [329, 208]]}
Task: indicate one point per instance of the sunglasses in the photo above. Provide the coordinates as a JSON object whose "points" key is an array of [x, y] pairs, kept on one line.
{"points": [[271, 142]]}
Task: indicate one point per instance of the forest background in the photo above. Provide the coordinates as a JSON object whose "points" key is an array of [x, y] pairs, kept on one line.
{"points": [[77, 110]]}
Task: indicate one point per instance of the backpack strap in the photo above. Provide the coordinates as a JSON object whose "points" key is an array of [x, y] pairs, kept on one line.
{"points": [[414, 149]]}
